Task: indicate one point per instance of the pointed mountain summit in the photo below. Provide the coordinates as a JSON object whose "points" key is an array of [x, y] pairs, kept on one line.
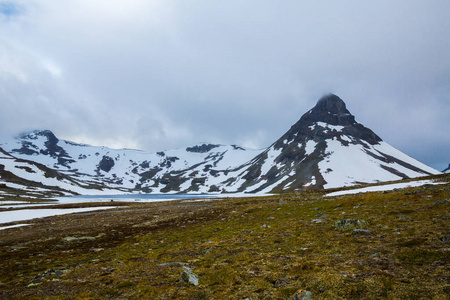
{"points": [[330, 109], [327, 148]]}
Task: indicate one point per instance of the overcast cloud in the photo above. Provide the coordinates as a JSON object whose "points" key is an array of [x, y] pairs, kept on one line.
{"points": [[156, 75]]}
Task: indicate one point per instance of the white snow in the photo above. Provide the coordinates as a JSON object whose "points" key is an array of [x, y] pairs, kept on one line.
{"points": [[346, 138], [388, 149], [309, 147], [312, 182], [386, 187], [329, 126], [86, 159], [272, 154], [351, 164], [29, 214], [13, 226]]}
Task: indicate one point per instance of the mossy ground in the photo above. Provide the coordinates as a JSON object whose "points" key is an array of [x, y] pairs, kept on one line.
{"points": [[260, 248]]}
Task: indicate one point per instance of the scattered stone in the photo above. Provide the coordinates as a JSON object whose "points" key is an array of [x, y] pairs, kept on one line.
{"points": [[188, 276], [360, 231], [97, 249], [77, 239], [281, 282], [16, 248], [34, 284], [52, 272], [316, 221], [265, 226], [414, 193], [172, 264], [442, 201], [302, 295], [350, 223], [445, 239], [375, 255]]}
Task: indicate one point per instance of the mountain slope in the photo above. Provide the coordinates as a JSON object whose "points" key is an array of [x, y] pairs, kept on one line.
{"points": [[178, 170], [326, 148], [35, 180]]}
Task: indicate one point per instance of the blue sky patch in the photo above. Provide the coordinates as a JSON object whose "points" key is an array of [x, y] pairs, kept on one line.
{"points": [[9, 9]]}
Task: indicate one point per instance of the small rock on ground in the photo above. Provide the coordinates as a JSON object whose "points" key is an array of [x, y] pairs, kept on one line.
{"points": [[302, 295], [350, 223]]}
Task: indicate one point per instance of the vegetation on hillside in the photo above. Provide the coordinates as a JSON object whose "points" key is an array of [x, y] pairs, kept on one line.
{"points": [[254, 248]]}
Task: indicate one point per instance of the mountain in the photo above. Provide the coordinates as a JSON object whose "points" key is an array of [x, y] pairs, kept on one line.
{"points": [[326, 148], [30, 179], [190, 169]]}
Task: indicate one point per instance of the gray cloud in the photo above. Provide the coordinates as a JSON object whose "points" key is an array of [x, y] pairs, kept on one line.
{"points": [[164, 74]]}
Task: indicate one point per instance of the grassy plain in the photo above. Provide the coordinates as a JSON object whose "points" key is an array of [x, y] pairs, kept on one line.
{"points": [[256, 248]]}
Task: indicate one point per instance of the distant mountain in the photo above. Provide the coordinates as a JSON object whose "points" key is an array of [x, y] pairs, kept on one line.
{"points": [[447, 170], [190, 169], [325, 148], [35, 180]]}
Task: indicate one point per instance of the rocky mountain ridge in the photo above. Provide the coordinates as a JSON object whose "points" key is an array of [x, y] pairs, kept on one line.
{"points": [[325, 148]]}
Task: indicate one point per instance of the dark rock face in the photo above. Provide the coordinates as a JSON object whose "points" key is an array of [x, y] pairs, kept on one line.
{"points": [[330, 109], [447, 170], [202, 148], [51, 147], [26, 149], [106, 163]]}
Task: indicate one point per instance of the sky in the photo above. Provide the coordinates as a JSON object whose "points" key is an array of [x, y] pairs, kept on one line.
{"points": [[157, 75]]}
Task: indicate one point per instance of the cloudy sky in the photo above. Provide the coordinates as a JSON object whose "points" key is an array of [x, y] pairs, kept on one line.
{"points": [[157, 75]]}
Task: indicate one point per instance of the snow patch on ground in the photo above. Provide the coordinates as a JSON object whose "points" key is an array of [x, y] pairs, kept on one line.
{"points": [[29, 214], [387, 187], [13, 226]]}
